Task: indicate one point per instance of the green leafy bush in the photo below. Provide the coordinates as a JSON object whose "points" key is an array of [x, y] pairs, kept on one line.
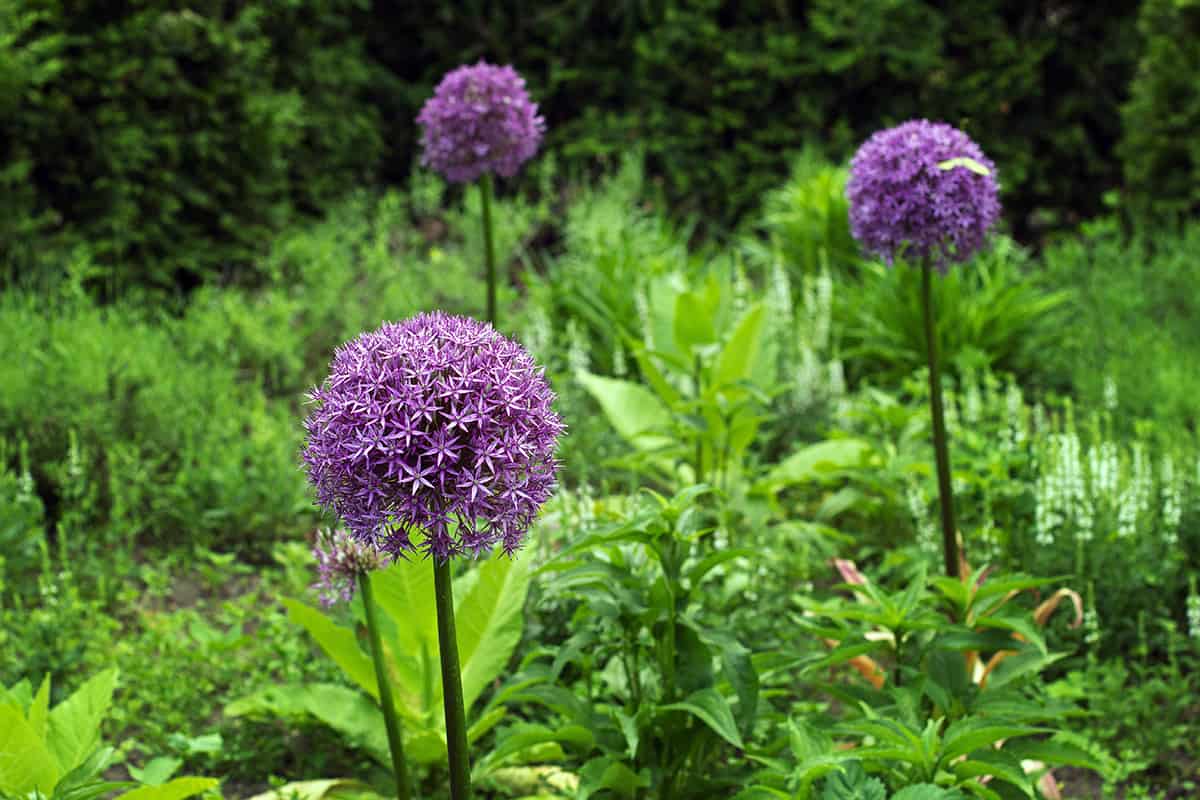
{"points": [[175, 140], [1159, 149]]}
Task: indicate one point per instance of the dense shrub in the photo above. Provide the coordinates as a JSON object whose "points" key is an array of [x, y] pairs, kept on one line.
{"points": [[1159, 149], [175, 140]]}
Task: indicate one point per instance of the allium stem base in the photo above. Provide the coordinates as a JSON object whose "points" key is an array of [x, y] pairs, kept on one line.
{"points": [[452, 692]]}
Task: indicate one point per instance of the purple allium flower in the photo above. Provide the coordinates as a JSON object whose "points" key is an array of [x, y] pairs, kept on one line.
{"points": [[480, 119], [437, 426], [341, 559], [905, 201]]}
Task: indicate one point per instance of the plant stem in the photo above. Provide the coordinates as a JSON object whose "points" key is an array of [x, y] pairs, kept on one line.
{"points": [[489, 245], [390, 722], [941, 451], [452, 692]]}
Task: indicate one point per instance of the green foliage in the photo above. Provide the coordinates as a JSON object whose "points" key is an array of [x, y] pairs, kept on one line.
{"points": [[1132, 306], [1158, 148], [176, 141], [990, 315], [488, 606], [657, 679], [56, 752]]}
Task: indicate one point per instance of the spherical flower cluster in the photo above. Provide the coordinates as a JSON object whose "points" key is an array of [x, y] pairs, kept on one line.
{"points": [[479, 120], [341, 559], [916, 190], [437, 427]]}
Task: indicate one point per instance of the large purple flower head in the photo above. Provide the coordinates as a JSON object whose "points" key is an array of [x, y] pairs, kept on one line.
{"points": [[923, 190], [436, 426], [479, 120]]}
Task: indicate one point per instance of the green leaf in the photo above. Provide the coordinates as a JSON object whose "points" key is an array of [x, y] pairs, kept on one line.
{"points": [[967, 735], [1053, 753], [711, 708], [174, 790], [73, 730], [319, 790], [926, 791], [694, 315], [26, 763], [738, 357], [39, 709], [815, 462], [157, 772], [636, 414], [964, 161], [488, 619], [339, 643], [998, 764], [404, 592]]}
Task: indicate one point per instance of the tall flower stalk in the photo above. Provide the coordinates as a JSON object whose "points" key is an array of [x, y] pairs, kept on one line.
{"points": [[343, 563], [479, 122], [925, 192], [435, 436]]}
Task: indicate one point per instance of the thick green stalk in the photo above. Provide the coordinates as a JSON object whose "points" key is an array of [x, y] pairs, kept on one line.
{"points": [[489, 245], [452, 692], [940, 448], [399, 766]]}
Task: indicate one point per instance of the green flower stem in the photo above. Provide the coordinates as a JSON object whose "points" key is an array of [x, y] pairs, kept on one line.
{"points": [[489, 245], [452, 692], [940, 448], [392, 724]]}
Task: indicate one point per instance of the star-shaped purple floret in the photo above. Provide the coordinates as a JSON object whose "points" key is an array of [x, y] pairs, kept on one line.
{"points": [[437, 426]]}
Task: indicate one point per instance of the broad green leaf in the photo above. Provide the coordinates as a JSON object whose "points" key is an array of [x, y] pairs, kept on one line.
{"points": [[488, 621], [339, 788], [404, 592], [816, 461], [26, 763], [636, 414], [73, 730], [738, 357], [173, 790], [695, 311], [339, 643], [711, 708]]}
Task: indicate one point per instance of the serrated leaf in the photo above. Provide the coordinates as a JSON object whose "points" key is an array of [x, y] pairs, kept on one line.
{"points": [[73, 729]]}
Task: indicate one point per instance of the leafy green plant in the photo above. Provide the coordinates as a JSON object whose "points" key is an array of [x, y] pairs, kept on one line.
{"points": [[953, 672], [990, 316], [489, 603], [57, 753], [663, 692], [705, 378]]}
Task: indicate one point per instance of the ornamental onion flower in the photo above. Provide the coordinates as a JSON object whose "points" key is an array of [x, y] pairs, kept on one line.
{"points": [[341, 561], [437, 427], [480, 120], [923, 190]]}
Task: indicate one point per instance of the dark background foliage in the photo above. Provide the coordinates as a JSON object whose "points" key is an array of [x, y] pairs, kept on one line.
{"points": [[174, 137]]}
